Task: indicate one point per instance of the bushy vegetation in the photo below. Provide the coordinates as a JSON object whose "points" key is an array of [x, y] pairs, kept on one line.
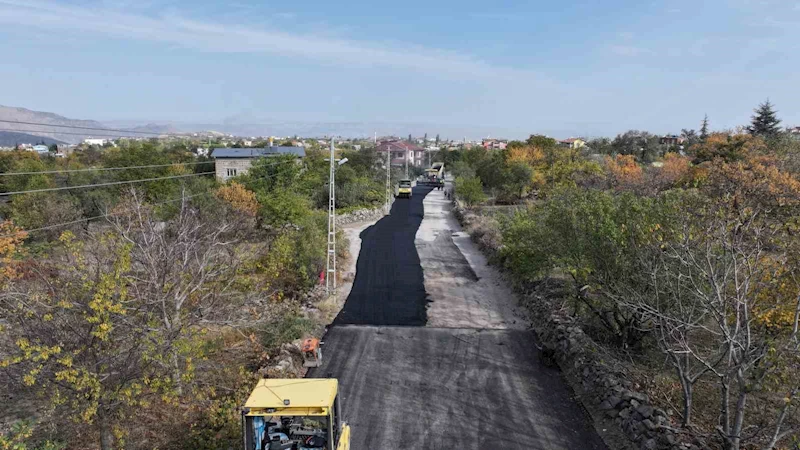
{"points": [[146, 327], [694, 258]]}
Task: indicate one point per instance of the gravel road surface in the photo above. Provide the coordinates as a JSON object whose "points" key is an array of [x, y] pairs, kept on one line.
{"points": [[468, 376]]}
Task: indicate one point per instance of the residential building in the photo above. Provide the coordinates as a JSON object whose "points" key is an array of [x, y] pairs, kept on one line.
{"points": [[232, 162], [492, 144], [402, 150], [573, 143], [92, 141], [41, 149], [671, 139], [794, 132]]}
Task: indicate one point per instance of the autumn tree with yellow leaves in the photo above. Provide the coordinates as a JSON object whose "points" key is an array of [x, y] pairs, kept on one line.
{"points": [[107, 327]]}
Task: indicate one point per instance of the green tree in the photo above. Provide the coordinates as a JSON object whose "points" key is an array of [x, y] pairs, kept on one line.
{"points": [[601, 146], [643, 145], [470, 190], [765, 121], [690, 137], [704, 129], [518, 179]]}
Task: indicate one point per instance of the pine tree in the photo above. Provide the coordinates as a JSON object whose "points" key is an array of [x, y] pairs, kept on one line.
{"points": [[765, 122], [704, 129]]}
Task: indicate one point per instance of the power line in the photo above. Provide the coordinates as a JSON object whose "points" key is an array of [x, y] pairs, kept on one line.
{"points": [[86, 219], [100, 169], [112, 183], [48, 227], [78, 127]]}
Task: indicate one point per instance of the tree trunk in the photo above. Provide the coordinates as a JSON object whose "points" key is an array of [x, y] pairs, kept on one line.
{"points": [[687, 401], [738, 420], [176, 373], [725, 423], [106, 432]]}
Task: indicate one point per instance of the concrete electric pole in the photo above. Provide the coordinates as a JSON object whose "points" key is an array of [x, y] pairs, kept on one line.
{"points": [[388, 180], [330, 275], [407, 163]]}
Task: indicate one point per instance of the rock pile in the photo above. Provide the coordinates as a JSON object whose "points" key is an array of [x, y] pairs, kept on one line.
{"points": [[360, 215], [288, 363]]}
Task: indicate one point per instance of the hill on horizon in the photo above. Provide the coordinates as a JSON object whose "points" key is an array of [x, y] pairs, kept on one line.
{"points": [[12, 138], [73, 136]]}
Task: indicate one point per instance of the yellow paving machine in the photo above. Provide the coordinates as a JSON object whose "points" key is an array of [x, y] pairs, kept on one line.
{"points": [[404, 189], [434, 176], [295, 414]]}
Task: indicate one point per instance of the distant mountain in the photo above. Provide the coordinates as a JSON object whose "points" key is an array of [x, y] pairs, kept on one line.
{"points": [[238, 127], [156, 128], [12, 138], [14, 114]]}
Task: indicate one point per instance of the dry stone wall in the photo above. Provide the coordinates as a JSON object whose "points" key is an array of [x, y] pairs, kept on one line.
{"points": [[360, 215]]}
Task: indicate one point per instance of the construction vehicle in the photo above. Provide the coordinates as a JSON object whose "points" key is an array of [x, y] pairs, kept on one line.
{"points": [[302, 414], [404, 189], [435, 175]]}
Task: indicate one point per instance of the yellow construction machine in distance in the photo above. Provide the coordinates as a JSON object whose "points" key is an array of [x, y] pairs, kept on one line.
{"points": [[404, 189], [303, 414]]}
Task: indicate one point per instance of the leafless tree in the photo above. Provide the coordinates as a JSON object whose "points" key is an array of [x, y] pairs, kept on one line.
{"points": [[183, 268], [707, 308]]}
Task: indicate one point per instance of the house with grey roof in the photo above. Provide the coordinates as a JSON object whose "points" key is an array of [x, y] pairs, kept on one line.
{"points": [[232, 162]]}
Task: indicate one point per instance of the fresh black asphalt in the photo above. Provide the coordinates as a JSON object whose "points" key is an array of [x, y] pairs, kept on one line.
{"points": [[407, 386], [388, 288]]}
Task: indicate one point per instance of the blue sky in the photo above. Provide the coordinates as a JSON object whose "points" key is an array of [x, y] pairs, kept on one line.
{"points": [[562, 68]]}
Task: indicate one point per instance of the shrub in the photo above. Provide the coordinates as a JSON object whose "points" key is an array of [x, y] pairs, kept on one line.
{"points": [[470, 190], [286, 328]]}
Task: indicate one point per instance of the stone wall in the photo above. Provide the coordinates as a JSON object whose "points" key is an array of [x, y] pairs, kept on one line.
{"points": [[360, 215], [599, 378], [240, 165]]}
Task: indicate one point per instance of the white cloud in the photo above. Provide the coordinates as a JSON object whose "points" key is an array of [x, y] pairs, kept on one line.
{"points": [[178, 30]]}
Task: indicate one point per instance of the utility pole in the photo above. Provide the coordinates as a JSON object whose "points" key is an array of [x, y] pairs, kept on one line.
{"points": [[330, 275], [388, 180], [407, 164]]}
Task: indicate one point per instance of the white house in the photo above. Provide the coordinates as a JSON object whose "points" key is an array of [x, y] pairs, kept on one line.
{"points": [[92, 141]]}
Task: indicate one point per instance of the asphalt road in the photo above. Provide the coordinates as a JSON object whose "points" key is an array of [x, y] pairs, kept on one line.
{"points": [[388, 288], [407, 386], [446, 388]]}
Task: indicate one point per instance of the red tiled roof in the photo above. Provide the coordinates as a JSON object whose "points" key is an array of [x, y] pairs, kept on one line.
{"points": [[398, 145]]}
